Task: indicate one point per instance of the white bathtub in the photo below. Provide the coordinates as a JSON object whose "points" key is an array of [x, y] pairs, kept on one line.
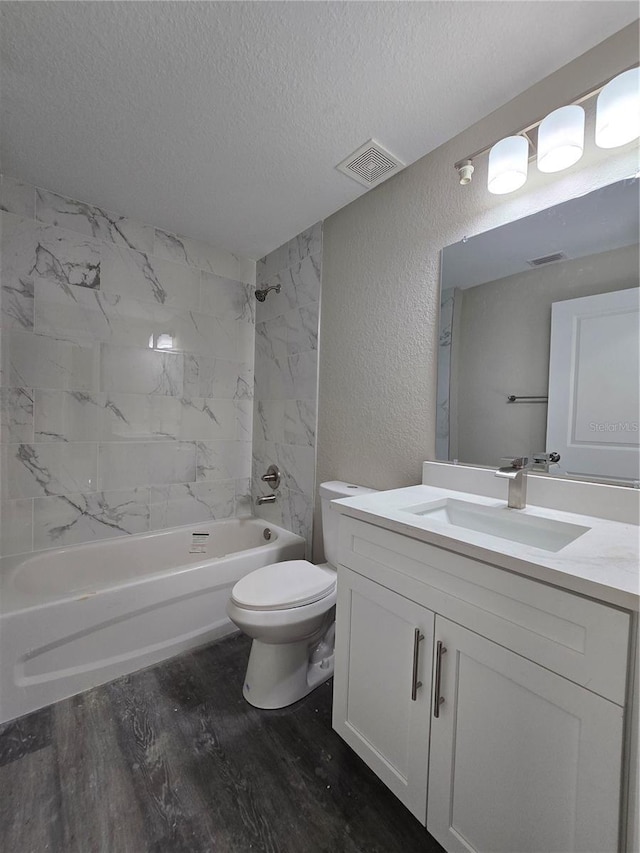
{"points": [[76, 617]]}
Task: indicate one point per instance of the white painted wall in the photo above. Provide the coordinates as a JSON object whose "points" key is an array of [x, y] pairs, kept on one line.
{"points": [[378, 336]]}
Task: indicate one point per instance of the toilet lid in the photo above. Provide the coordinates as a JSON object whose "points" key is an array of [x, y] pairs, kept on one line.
{"points": [[282, 585]]}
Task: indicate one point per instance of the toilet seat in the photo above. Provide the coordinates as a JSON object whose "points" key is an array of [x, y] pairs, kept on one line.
{"points": [[282, 586]]}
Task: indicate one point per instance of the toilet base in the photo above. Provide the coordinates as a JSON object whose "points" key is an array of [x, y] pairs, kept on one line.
{"points": [[280, 674]]}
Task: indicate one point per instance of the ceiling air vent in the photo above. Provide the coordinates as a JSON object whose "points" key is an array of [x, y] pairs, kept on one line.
{"points": [[370, 164], [547, 259]]}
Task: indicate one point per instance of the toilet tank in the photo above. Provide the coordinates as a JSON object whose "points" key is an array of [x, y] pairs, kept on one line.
{"points": [[331, 491]]}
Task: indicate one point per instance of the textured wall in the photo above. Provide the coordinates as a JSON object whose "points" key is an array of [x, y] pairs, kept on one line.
{"points": [[377, 372], [286, 380], [105, 431]]}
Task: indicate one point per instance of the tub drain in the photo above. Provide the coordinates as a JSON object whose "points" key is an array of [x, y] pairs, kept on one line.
{"points": [[266, 533]]}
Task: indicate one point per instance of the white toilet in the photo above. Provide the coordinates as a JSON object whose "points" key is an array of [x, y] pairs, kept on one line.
{"points": [[288, 609]]}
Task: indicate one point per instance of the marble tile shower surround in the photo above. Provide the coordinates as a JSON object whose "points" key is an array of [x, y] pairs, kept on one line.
{"points": [[286, 385], [105, 430], [447, 302]]}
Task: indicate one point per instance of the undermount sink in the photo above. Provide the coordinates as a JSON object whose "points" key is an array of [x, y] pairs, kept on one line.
{"points": [[545, 533]]}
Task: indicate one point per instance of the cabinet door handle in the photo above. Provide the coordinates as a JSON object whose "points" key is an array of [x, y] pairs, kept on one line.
{"points": [[437, 698], [417, 639]]}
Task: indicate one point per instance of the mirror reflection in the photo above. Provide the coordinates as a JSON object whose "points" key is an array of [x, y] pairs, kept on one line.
{"points": [[539, 351]]}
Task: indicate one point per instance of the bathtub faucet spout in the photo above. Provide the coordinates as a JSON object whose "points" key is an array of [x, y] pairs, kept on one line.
{"points": [[266, 499]]}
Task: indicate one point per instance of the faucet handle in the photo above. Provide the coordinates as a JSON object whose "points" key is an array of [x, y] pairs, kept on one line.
{"points": [[272, 476], [517, 462]]}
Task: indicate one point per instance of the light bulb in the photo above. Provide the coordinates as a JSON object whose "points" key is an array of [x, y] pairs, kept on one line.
{"points": [[508, 164], [561, 139], [618, 110]]}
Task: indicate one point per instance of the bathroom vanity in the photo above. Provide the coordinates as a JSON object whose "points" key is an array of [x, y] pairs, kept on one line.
{"points": [[484, 659]]}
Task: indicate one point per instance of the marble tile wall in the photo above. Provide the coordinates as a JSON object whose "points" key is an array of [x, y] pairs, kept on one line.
{"points": [[126, 375], [447, 302], [286, 384]]}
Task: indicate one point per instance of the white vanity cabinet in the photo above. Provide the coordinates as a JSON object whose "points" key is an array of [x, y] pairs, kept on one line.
{"points": [[383, 669], [521, 758], [515, 740]]}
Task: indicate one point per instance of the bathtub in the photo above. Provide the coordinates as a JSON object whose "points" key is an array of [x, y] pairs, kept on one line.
{"points": [[76, 617]]}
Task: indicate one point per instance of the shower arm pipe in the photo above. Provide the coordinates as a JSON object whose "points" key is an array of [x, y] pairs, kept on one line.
{"points": [[261, 295]]}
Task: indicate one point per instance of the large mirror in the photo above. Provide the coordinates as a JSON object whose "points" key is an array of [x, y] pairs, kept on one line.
{"points": [[539, 350]]}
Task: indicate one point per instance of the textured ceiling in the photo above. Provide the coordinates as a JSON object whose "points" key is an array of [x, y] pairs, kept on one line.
{"points": [[224, 121]]}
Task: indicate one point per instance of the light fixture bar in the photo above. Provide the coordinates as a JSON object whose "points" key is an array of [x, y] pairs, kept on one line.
{"points": [[525, 131]]}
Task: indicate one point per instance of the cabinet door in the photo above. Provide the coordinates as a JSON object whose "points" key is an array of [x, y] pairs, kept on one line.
{"points": [[521, 759], [378, 707]]}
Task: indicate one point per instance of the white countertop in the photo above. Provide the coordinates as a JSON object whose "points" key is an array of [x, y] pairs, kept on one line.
{"points": [[602, 563]]}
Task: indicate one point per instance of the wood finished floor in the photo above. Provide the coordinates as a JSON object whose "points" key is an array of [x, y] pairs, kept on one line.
{"points": [[173, 760]]}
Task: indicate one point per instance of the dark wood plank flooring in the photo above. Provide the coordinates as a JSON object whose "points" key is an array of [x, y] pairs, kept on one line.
{"points": [[173, 760]]}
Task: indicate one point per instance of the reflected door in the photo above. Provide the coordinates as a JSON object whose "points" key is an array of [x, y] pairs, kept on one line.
{"points": [[593, 385]]}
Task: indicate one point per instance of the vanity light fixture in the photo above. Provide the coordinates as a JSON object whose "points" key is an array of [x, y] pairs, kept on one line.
{"points": [[557, 140], [508, 164], [561, 139], [465, 171], [618, 110]]}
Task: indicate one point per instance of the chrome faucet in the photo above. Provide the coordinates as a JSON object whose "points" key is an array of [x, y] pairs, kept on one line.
{"points": [[515, 471], [266, 499], [272, 477]]}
